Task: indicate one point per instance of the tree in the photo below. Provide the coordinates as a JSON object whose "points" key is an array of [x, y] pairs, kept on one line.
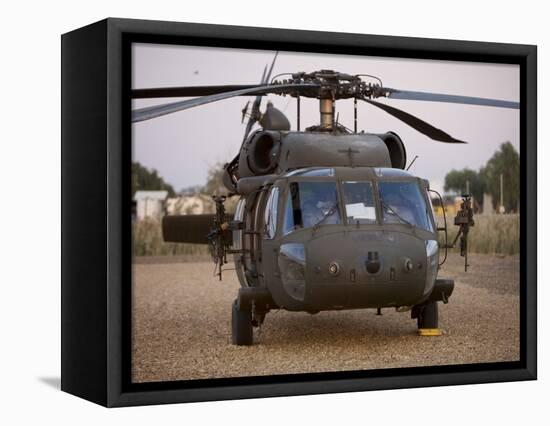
{"points": [[214, 182], [460, 181], [149, 180], [504, 162], [214, 186]]}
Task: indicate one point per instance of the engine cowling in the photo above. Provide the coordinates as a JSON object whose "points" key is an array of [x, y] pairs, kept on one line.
{"points": [[396, 149], [271, 151], [263, 153]]}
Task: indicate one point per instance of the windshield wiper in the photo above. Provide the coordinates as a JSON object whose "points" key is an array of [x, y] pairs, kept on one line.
{"points": [[330, 212], [392, 211]]}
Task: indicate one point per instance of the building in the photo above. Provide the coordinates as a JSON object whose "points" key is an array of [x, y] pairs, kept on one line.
{"points": [[190, 204], [149, 204]]}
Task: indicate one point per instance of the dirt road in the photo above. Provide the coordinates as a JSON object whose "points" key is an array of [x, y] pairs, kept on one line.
{"points": [[182, 326]]}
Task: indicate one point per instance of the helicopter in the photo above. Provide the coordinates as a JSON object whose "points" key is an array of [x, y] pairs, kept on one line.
{"points": [[327, 218]]}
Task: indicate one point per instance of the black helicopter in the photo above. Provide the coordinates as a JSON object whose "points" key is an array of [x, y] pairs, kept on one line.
{"points": [[327, 218]]}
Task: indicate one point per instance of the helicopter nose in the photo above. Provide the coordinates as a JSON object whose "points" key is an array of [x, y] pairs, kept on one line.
{"points": [[368, 269]]}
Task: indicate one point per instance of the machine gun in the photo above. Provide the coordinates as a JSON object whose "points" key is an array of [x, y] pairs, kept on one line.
{"points": [[219, 237], [464, 219]]}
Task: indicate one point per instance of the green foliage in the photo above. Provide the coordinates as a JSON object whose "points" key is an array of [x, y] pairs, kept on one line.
{"points": [[148, 180], [459, 181], [487, 180], [505, 162], [214, 182], [214, 186]]}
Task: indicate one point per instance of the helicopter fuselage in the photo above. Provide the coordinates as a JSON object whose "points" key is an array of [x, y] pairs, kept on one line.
{"points": [[325, 221], [339, 238]]}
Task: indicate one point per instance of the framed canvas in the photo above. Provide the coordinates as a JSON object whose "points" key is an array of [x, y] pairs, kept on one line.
{"points": [[255, 212]]}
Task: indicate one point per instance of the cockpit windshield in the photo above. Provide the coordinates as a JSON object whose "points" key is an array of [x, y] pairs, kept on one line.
{"points": [[402, 202], [359, 202], [310, 204]]}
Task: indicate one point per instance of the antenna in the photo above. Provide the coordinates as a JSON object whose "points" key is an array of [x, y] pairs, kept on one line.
{"points": [[411, 163]]}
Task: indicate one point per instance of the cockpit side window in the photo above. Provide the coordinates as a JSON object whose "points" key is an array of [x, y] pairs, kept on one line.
{"points": [[359, 202], [309, 204], [402, 202], [293, 215], [271, 213]]}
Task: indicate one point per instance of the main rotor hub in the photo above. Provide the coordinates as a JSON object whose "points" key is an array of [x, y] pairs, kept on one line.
{"points": [[330, 86], [335, 85]]}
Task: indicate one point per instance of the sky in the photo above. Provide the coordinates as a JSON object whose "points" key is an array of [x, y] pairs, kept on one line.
{"points": [[184, 145]]}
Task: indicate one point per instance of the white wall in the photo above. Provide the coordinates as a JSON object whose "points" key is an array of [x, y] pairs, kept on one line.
{"points": [[30, 255], [149, 207]]}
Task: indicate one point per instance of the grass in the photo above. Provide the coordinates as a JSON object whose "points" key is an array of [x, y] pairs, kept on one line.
{"points": [[491, 234], [147, 241]]}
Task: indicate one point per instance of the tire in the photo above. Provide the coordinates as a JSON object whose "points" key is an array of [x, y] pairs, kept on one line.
{"points": [[429, 316], [241, 326]]}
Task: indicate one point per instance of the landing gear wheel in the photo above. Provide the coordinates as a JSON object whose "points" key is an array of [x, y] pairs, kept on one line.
{"points": [[428, 320], [241, 326]]}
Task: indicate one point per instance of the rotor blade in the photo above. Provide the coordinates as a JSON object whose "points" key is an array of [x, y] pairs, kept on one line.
{"points": [[193, 228], [159, 110], [439, 97], [187, 91], [255, 111], [249, 124], [268, 76], [416, 123], [263, 80]]}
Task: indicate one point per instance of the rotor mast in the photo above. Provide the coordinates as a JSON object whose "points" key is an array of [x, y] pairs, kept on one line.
{"points": [[326, 107], [332, 86], [329, 82]]}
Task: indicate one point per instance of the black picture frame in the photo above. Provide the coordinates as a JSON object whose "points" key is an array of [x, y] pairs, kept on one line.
{"points": [[96, 232]]}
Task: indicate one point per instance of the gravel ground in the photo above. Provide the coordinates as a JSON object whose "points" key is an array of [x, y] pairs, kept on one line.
{"points": [[182, 326]]}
